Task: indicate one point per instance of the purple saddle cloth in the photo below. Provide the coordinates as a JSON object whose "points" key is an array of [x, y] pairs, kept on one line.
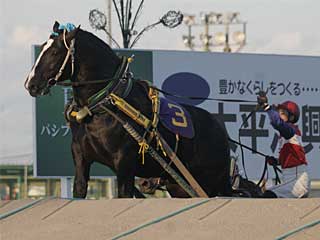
{"points": [[176, 118]]}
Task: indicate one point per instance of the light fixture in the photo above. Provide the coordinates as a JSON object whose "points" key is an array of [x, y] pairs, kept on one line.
{"points": [[188, 41], [220, 38], [239, 37], [205, 39], [189, 20], [228, 31]]}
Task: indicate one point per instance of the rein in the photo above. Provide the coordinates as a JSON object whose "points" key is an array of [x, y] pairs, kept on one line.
{"points": [[275, 168], [265, 169], [201, 98], [121, 71], [77, 84]]}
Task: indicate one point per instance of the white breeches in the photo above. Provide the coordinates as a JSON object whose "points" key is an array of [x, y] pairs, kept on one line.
{"points": [[295, 183]]}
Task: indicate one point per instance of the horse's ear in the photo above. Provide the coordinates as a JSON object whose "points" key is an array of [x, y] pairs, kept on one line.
{"points": [[55, 27], [71, 35]]}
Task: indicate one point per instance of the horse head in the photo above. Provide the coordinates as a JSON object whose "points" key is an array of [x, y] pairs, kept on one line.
{"points": [[53, 62], [72, 54]]}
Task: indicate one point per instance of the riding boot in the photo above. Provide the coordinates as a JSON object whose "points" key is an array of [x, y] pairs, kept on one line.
{"points": [[268, 194]]}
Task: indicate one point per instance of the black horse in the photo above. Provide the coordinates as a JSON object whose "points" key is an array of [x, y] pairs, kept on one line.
{"points": [[100, 137]]}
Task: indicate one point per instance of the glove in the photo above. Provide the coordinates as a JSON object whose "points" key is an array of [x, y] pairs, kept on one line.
{"points": [[262, 99], [272, 160]]}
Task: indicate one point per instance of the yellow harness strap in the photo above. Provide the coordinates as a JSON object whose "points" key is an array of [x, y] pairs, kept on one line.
{"points": [[81, 114], [142, 120], [154, 97], [143, 148], [73, 114], [137, 116], [130, 111]]}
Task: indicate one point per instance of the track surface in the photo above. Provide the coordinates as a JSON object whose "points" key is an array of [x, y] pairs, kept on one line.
{"points": [[218, 218]]}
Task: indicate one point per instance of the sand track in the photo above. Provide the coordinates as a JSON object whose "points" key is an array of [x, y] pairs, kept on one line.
{"points": [[218, 218]]}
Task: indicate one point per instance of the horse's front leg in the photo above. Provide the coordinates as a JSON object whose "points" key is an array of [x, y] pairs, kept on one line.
{"points": [[82, 170]]}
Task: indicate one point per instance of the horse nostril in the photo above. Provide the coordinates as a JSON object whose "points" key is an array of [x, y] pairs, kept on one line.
{"points": [[32, 88]]}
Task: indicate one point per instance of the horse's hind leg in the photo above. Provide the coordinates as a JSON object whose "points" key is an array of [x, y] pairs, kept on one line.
{"points": [[125, 185], [225, 187], [213, 182], [137, 193], [125, 170]]}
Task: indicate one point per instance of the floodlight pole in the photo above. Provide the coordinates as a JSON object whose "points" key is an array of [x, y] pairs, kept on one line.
{"points": [[128, 19], [226, 44], [109, 4], [206, 45], [124, 14]]}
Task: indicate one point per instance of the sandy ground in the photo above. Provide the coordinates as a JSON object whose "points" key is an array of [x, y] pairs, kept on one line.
{"points": [[219, 218], [7, 206]]}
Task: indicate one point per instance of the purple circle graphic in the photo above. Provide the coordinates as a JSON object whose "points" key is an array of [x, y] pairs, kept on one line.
{"points": [[186, 84]]}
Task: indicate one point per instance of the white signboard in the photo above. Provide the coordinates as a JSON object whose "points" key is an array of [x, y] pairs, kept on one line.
{"points": [[242, 76]]}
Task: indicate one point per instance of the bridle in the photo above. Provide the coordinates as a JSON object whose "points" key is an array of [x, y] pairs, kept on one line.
{"points": [[70, 53]]}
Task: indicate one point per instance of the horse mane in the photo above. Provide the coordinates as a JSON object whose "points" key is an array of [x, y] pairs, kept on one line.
{"points": [[95, 42]]}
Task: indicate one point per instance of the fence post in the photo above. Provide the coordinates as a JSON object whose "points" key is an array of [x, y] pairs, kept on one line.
{"points": [[66, 187]]}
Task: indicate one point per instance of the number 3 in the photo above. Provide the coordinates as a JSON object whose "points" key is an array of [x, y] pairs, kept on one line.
{"points": [[180, 114]]}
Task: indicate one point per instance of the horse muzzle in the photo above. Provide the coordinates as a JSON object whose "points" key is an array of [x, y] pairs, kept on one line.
{"points": [[36, 90]]}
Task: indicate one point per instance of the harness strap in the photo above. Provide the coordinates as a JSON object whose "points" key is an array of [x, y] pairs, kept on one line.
{"points": [[190, 179], [129, 110], [149, 125], [154, 97], [95, 99], [177, 144], [143, 149], [138, 117]]}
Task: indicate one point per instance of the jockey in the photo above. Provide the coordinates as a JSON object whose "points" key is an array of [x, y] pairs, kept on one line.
{"points": [[295, 180]]}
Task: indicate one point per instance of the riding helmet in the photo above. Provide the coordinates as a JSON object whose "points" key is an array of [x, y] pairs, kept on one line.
{"points": [[293, 110]]}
